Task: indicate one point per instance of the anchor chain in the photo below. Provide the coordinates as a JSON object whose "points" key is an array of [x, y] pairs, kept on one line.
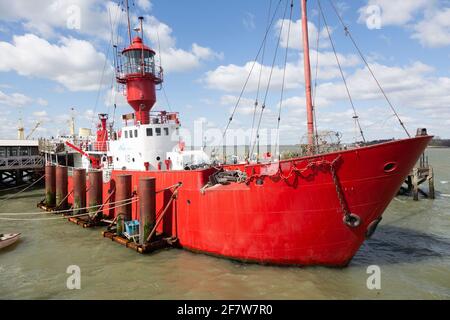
{"points": [[350, 219]]}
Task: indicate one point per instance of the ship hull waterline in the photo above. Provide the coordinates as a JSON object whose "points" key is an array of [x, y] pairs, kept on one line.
{"points": [[287, 213]]}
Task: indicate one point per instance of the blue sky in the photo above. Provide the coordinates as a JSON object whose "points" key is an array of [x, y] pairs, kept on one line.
{"points": [[48, 64]]}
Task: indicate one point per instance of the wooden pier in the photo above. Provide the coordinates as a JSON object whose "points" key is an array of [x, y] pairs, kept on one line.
{"points": [[20, 162], [421, 174]]}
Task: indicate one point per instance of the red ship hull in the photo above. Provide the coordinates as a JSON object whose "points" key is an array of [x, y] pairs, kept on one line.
{"points": [[287, 213]]}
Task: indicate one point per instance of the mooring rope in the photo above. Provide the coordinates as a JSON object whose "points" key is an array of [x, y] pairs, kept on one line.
{"points": [[61, 217], [67, 210], [23, 190]]}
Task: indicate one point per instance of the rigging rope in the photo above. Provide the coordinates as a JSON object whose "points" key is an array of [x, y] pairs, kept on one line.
{"points": [[270, 77], [284, 80], [104, 68], [160, 66], [347, 33], [319, 25], [355, 115], [259, 83], [248, 78]]}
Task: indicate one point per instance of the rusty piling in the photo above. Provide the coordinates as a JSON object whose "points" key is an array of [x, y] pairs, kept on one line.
{"points": [[50, 185], [147, 207], [123, 201], [61, 188], [95, 195], [79, 191]]}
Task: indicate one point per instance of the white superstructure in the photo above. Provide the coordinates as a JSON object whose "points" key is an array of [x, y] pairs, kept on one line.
{"points": [[154, 146]]}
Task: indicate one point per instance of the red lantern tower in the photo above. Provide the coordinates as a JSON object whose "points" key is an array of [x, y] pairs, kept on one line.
{"points": [[138, 72]]}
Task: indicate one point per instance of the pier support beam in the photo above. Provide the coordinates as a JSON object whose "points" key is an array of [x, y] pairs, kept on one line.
{"points": [[431, 194], [415, 184], [50, 185], [147, 207], [79, 191], [61, 187], [95, 191], [123, 196]]}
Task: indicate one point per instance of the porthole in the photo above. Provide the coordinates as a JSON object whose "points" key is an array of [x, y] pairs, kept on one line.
{"points": [[390, 167]]}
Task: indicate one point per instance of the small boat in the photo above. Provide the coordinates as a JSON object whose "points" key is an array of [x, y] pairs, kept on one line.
{"points": [[8, 239]]}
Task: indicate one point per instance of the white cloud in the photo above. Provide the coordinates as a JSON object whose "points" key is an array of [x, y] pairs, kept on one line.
{"points": [[29, 55], [429, 20], [175, 59], [48, 18], [434, 30], [42, 102], [246, 105], [394, 12], [249, 21], [14, 99], [231, 78], [144, 4], [295, 38], [40, 114], [205, 53], [409, 86]]}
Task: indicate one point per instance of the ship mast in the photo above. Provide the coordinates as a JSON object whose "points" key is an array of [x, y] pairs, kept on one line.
{"points": [[307, 66], [128, 19]]}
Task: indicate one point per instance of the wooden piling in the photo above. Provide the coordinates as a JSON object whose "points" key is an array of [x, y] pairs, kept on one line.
{"points": [[147, 207], [62, 188], [50, 185], [79, 191], [431, 194], [415, 182]]}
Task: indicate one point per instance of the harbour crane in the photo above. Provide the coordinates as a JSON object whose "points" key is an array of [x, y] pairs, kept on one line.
{"points": [[33, 130]]}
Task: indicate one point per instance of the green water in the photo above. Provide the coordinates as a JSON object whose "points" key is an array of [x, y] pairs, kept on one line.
{"points": [[411, 246]]}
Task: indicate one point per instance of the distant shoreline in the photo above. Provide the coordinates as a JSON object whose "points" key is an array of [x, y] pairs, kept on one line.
{"points": [[439, 147]]}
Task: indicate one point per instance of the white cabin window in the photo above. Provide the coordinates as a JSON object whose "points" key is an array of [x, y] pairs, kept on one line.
{"points": [[126, 134], [131, 133], [149, 132], [135, 133], [158, 131], [166, 131]]}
